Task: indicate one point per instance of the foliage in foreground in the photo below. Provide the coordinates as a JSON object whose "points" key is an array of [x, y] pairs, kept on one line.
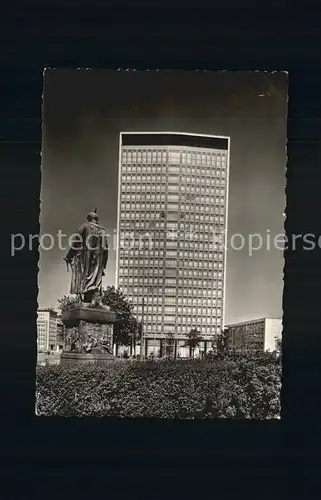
{"points": [[229, 388]]}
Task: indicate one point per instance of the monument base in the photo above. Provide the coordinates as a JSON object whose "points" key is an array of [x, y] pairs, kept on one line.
{"points": [[88, 335], [76, 358]]}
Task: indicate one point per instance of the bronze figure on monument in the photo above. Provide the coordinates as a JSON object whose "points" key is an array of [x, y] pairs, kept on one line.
{"points": [[87, 257], [88, 323]]}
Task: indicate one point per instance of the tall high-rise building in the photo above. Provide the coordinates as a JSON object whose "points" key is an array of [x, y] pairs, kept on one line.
{"points": [[46, 330], [172, 223]]}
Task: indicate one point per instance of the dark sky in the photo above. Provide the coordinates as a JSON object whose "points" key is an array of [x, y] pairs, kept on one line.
{"points": [[83, 113]]}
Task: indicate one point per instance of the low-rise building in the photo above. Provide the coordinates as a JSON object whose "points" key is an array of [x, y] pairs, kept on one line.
{"points": [[46, 330], [60, 336], [254, 335]]}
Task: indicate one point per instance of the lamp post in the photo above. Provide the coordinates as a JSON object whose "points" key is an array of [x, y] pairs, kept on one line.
{"points": [[142, 330], [142, 341], [143, 300], [132, 353]]}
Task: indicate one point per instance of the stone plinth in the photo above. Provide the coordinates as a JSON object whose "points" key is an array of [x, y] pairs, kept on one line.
{"points": [[88, 335], [75, 314], [69, 358]]}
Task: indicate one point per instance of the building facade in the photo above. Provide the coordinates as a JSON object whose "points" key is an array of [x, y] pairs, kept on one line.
{"points": [[255, 335], [46, 330], [60, 342], [172, 223]]}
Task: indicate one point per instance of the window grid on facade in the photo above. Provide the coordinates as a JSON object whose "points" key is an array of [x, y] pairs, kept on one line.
{"points": [[189, 184]]}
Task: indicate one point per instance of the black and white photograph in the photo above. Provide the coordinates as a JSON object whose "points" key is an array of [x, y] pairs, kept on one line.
{"points": [[162, 211]]}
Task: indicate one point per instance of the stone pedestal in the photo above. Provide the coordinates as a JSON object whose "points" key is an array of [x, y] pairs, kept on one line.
{"points": [[88, 335]]}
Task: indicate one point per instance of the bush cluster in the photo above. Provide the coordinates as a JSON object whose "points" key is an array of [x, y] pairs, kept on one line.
{"points": [[239, 387]]}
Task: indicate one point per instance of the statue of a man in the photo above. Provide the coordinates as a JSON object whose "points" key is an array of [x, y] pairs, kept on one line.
{"points": [[87, 257]]}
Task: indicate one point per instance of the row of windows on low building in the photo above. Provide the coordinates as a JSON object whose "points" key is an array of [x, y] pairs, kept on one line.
{"points": [[157, 156], [253, 328]]}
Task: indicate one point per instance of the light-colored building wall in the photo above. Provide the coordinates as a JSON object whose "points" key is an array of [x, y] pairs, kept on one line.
{"points": [[46, 329], [43, 332], [60, 339], [273, 332]]}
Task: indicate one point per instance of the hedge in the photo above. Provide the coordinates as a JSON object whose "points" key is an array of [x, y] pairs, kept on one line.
{"points": [[228, 388]]}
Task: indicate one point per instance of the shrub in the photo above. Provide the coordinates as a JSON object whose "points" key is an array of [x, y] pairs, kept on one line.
{"points": [[229, 388]]}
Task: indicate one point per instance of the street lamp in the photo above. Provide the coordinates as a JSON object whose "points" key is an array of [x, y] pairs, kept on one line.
{"points": [[149, 288], [142, 340], [143, 300]]}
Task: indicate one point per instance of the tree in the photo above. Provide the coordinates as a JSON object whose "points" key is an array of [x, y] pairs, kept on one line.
{"points": [[138, 334], [170, 345], [63, 304], [222, 343], [60, 331], [193, 340], [126, 324], [278, 346], [66, 301]]}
